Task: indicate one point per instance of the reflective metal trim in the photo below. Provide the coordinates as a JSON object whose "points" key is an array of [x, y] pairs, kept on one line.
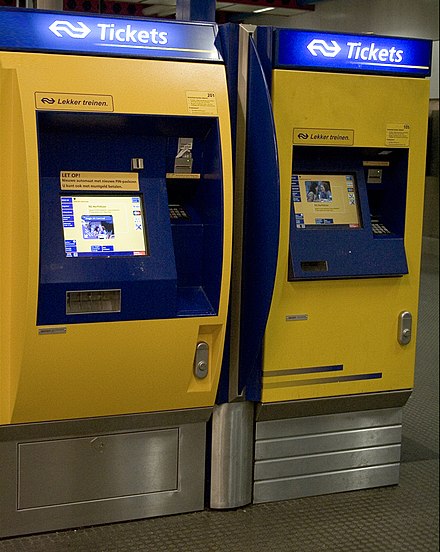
{"points": [[313, 370], [232, 455], [91, 426], [59, 475], [313, 455], [336, 379], [332, 405], [239, 180]]}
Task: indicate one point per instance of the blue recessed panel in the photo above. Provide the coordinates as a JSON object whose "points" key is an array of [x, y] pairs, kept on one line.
{"points": [[352, 53], [28, 30], [102, 241], [328, 249]]}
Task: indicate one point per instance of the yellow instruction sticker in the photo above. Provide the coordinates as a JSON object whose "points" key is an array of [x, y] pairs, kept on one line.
{"points": [[397, 134], [323, 136], [201, 103], [102, 181], [73, 102]]}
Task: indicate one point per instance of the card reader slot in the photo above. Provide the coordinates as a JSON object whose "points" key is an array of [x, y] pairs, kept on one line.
{"points": [[314, 266]]}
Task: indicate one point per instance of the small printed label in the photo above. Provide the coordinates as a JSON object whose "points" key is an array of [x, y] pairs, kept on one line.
{"points": [[52, 331], [201, 103], [376, 163], [186, 176], [323, 136], [295, 317], [397, 135], [73, 102], [107, 181]]}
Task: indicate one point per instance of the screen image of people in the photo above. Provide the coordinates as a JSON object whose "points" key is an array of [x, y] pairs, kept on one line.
{"points": [[318, 190], [108, 226], [97, 227]]}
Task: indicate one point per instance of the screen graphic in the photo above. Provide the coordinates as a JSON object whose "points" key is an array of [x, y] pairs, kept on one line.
{"points": [[318, 191], [103, 226], [325, 199], [97, 226]]}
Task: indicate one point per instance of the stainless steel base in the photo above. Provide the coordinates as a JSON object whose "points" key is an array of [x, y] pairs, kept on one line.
{"points": [[60, 475], [313, 455], [232, 455]]}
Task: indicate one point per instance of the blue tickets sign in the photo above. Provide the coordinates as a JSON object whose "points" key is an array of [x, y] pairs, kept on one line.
{"points": [[42, 31], [353, 53]]}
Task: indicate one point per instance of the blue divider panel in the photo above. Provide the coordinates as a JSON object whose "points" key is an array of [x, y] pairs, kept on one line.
{"points": [[261, 225]]}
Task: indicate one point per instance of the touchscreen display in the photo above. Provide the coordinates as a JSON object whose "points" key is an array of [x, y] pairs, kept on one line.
{"points": [[325, 199], [103, 226]]}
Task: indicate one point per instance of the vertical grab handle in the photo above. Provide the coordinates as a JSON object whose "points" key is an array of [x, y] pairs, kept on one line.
{"points": [[201, 360], [404, 332]]}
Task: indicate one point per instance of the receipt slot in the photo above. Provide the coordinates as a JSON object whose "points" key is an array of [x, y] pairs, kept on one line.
{"points": [[115, 265], [333, 198]]}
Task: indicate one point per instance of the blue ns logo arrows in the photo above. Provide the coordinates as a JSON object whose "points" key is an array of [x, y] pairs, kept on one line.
{"points": [[60, 27], [319, 45]]}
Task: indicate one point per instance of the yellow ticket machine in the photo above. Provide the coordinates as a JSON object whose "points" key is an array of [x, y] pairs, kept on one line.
{"points": [[332, 229], [115, 169]]}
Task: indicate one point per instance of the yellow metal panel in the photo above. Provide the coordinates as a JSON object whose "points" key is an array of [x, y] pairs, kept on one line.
{"points": [[14, 240], [351, 323], [105, 368]]}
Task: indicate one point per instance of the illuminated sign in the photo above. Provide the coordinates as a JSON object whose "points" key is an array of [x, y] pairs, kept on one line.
{"points": [[354, 53], [36, 30]]}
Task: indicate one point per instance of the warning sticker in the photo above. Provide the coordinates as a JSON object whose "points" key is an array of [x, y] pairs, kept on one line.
{"points": [[73, 102], [201, 103], [103, 181], [397, 134]]}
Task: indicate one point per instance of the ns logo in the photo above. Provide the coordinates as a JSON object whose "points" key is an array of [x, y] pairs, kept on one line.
{"points": [[303, 135]]}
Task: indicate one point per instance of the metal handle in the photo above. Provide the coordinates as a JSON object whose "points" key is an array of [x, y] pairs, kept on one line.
{"points": [[404, 332], [201, 360]]}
